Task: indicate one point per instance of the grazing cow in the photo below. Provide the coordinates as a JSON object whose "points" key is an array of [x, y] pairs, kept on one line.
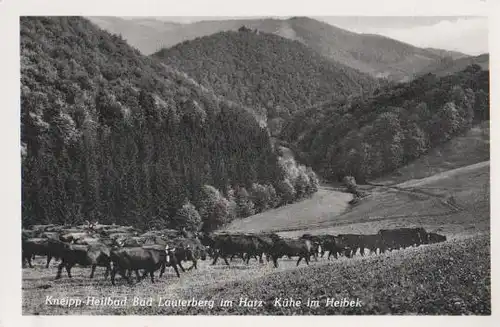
{"points": [[292, 247], [149, 258], [352, 242], [332, 244], [372, 242], [38, 246], [189, 250], [436, 238], [394, 239], [225, 245], [265, 244], [84, 255], [316, 242]]}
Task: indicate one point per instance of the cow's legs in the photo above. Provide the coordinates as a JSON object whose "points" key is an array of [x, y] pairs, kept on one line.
{"points": [[29, 261], [180, 265], [307, 258], [195, 265], [113, 274], [215, 259], [152, 274], [176, 270], [68, 270], [225, 260], [59, 269], [275, 261], [162, 271], [300, 258], [92, 271], [106, 273], [49, 257]]}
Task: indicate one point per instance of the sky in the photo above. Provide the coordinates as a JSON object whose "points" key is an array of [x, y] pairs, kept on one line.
{"points": [[467, 34]]}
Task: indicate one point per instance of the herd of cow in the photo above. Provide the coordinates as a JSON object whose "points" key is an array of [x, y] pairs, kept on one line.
{"points": [[124, 249]]}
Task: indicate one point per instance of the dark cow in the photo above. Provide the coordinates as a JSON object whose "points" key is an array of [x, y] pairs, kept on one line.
{"points": [[149, 258], [332, 244], [84, 255], [394, 239], [436, 238], [226, 245], [38, 246], [292, 247], [316, 242], [265, 243], [188, 249], [352, 242], [372, 242]]}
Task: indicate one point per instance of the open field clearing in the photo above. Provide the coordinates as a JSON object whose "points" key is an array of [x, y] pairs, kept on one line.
{"points": [[322, 206], [461, 151]]}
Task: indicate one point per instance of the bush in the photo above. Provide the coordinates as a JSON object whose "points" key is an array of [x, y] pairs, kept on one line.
{"points": [[286, 191], [214, 209], [244, 205], [188, 217]]}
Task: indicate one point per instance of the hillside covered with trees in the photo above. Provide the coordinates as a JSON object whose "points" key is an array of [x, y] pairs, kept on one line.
{"points": [[372, 54], [366, 138], [108, 134], [266, 71]]}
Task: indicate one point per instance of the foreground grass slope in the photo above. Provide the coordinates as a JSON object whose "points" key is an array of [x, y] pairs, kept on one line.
{"points": [[448, 278], [452, 278]]}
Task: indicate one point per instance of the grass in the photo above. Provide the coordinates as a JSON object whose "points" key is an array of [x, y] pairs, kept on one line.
{"points": [[322, 206], [452, 278]]}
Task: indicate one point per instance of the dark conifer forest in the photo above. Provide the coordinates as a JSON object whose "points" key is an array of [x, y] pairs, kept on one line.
{"points": [[108, 134]]}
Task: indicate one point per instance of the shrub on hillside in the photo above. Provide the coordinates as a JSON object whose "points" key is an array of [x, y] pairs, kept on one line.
{"points": [[187, 217], [285, 191], [244, 204], [260, 196], [214, 209]]}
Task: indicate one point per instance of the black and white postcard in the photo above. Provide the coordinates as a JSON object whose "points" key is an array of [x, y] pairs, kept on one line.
{"points": [[251, 164]]}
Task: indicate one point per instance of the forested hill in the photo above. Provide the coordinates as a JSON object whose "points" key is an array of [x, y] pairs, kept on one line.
{"points": [[373, 54], [366, 138], [265, 71], [112, 135]]}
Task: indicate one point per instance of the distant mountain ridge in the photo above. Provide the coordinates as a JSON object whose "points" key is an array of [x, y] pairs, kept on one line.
{"points": [[376, 55]]}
